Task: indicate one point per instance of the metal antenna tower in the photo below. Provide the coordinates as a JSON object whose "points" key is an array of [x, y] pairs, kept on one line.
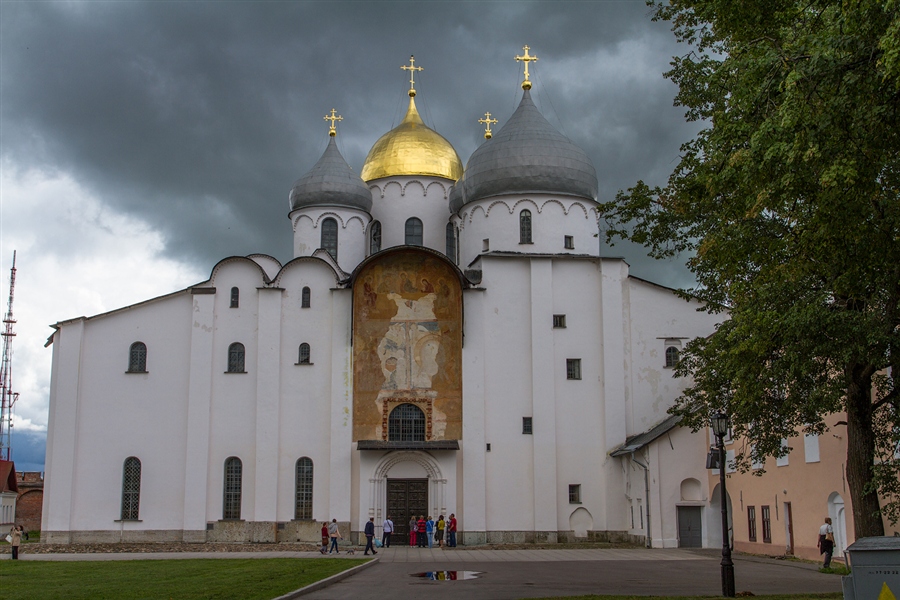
{"points": [[7, 396]]}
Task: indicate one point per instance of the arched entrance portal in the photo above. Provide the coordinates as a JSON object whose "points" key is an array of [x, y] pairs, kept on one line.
{"points": [[838, 522], [405, 484], [714, 521]]}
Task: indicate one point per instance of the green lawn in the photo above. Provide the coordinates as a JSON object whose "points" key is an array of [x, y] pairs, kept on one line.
{"points": [[181, 579], [775, 597]]}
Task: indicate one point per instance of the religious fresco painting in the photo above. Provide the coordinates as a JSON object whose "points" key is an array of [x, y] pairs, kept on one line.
{"points": [[407, 344]]}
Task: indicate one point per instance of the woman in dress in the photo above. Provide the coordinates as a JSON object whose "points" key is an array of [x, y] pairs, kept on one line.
{"points": [[413, 530]]}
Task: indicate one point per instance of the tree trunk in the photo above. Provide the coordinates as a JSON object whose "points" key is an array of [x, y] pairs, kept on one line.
{"points": [[867, 520]]}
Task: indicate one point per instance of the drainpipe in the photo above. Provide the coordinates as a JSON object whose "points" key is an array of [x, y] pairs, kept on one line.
{"points": [[646, 494]]}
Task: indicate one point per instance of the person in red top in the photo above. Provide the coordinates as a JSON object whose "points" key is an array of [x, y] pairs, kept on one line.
{"points": [[421, 540], [324, 538], [451, 531]]}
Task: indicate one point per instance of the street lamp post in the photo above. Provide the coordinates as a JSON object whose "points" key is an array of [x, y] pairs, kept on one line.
{"points": [[719, 423]]}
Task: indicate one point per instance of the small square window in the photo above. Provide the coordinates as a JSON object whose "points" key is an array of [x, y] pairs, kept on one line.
{"points": [[575, 494], [526, 425], [559, 321], [573, 368], [485, 245], [569, 242]]}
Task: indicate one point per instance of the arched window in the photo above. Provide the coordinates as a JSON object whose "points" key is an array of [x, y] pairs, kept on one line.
{"points": [[303, 507], [451, 242], [330, 237], [231, 506], [525, 227], [413, 232], [236, 358], [304, 354], [137, 358], [304, 298], [672, 355], [131, 489], [235, 297], [375, 240], [406, 423]]}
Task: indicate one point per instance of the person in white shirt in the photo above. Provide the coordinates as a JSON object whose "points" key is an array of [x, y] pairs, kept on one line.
{"points": [[826, 541], [387, 529]]}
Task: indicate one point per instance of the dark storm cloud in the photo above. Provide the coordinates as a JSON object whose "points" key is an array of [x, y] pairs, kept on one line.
{"points": [[198, 116]]}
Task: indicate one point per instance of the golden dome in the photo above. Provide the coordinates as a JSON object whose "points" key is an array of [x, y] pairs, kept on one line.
{"points": [[411, 148]]}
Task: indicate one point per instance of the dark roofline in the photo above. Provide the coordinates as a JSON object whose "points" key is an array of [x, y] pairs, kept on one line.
{"points": [[636, 442]]}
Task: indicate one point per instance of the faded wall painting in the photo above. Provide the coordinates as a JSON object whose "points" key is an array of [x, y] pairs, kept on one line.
{"points": [[407, 344]]}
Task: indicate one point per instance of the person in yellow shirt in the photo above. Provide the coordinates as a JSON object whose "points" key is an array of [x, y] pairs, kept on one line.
{"points": [[439, 531]]}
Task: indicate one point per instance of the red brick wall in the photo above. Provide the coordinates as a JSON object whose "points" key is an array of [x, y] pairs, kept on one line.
{"points": [[30, 500]]}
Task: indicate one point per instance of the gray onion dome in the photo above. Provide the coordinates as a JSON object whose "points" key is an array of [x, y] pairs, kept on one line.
{"points": [[527, 155], [331, 182]]}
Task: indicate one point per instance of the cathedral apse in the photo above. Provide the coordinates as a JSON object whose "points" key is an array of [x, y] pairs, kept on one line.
{"points": [[407, 348]]}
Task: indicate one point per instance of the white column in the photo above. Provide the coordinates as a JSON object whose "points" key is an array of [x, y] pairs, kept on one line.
{"points": [[472, 514], [268, 394], [341, 443]]}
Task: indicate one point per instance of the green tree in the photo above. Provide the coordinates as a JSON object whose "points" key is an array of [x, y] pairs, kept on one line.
{"points": [[788, 204]]}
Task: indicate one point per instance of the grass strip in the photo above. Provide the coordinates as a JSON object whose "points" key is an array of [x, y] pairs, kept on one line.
{"points": [[181, 579]]}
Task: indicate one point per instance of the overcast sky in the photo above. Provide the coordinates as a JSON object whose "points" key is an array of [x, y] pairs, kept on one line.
{"points": [[142, 142]]}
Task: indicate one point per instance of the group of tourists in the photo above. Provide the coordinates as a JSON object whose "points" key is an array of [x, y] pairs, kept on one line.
{"points": [[424, 532]]}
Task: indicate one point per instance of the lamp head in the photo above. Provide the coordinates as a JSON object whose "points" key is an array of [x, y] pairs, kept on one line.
{"points": [[719, 423]]}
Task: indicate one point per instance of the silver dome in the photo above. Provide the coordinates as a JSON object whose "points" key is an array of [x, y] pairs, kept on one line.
{"points": [[331, 182], [527, 155]]}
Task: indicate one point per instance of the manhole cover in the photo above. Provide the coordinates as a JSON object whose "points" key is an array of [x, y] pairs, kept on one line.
{"points": [[448, 575]]}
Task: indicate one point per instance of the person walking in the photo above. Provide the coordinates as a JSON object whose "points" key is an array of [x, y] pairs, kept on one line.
{"points": [[420, 529], [429, 531], [439, 530], [826, 541], [387, 528], [15, 539], [451, 531], [334, 532], [413, 530], [324, 538], [370, 535]]}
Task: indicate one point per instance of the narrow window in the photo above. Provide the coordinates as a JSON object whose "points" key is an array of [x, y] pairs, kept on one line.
{"points": [[232, 489], [766, 525], [751, 523], [525, 227], [304, 354], [671, 357], [330, 237], [526, 426], [811, 447], [569, 242], [304, 298], [451, 242], [406, 423], [131, 489], [375, 239], [236, 358], [413, 232], [485, 245], [783, 461], [303, 505], [137, 358], [575, 494], [559, 321], [573, 368], [235, 297]]}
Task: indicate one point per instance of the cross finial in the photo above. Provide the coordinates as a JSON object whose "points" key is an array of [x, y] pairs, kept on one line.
{"points": [[332, 117], [526, 85], [487, 120], [412, 68]]}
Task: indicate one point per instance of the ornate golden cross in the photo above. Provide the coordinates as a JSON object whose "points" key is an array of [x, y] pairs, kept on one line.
{"points": [[487, 120], [526, 85], [331, 130], [412, 68]]}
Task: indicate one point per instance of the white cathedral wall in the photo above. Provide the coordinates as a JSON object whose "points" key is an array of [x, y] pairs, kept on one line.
{"points": [[396, 199], [352, 227]]}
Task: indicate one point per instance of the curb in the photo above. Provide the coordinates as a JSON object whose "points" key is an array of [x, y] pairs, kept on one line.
{"points": [[328, 581]]}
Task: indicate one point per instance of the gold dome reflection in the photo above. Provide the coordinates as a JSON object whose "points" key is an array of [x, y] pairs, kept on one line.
{"points": [[411, 148]]}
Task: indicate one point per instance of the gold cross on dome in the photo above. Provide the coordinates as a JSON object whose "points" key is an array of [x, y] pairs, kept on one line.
{"points": [[332, 117], [487, 120], [412, 68], [526, 85]]}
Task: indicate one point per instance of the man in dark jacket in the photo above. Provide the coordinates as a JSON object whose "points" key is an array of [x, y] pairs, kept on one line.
{"points": [[370, 535]]}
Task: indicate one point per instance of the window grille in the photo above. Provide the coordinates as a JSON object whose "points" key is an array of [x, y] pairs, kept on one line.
{"points": [[236, 358], [413, 232], [304, 354], [573, 368], [304, 298], [232, 489], [525, 227], [131, 489], [526, 426], [137, 358], [235, 297], [451, 242], [672, 355], [303, 506], [569, 242], [751, 523], [375, 240], [766, 525], [330, 237], [559, 321], [406, 423], [575, 494]]}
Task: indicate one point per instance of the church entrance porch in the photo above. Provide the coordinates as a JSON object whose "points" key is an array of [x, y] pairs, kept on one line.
{"points": [[405, 498]]}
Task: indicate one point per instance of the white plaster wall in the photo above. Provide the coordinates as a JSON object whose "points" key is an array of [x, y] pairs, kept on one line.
{"points": [[352, 227], [395, 199]]}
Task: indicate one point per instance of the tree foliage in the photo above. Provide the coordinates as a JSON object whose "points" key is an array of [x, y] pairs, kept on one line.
{"points": [[788, 204]]}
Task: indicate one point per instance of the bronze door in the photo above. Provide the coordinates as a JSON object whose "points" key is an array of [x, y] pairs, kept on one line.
{"points": [[406, 497]]}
